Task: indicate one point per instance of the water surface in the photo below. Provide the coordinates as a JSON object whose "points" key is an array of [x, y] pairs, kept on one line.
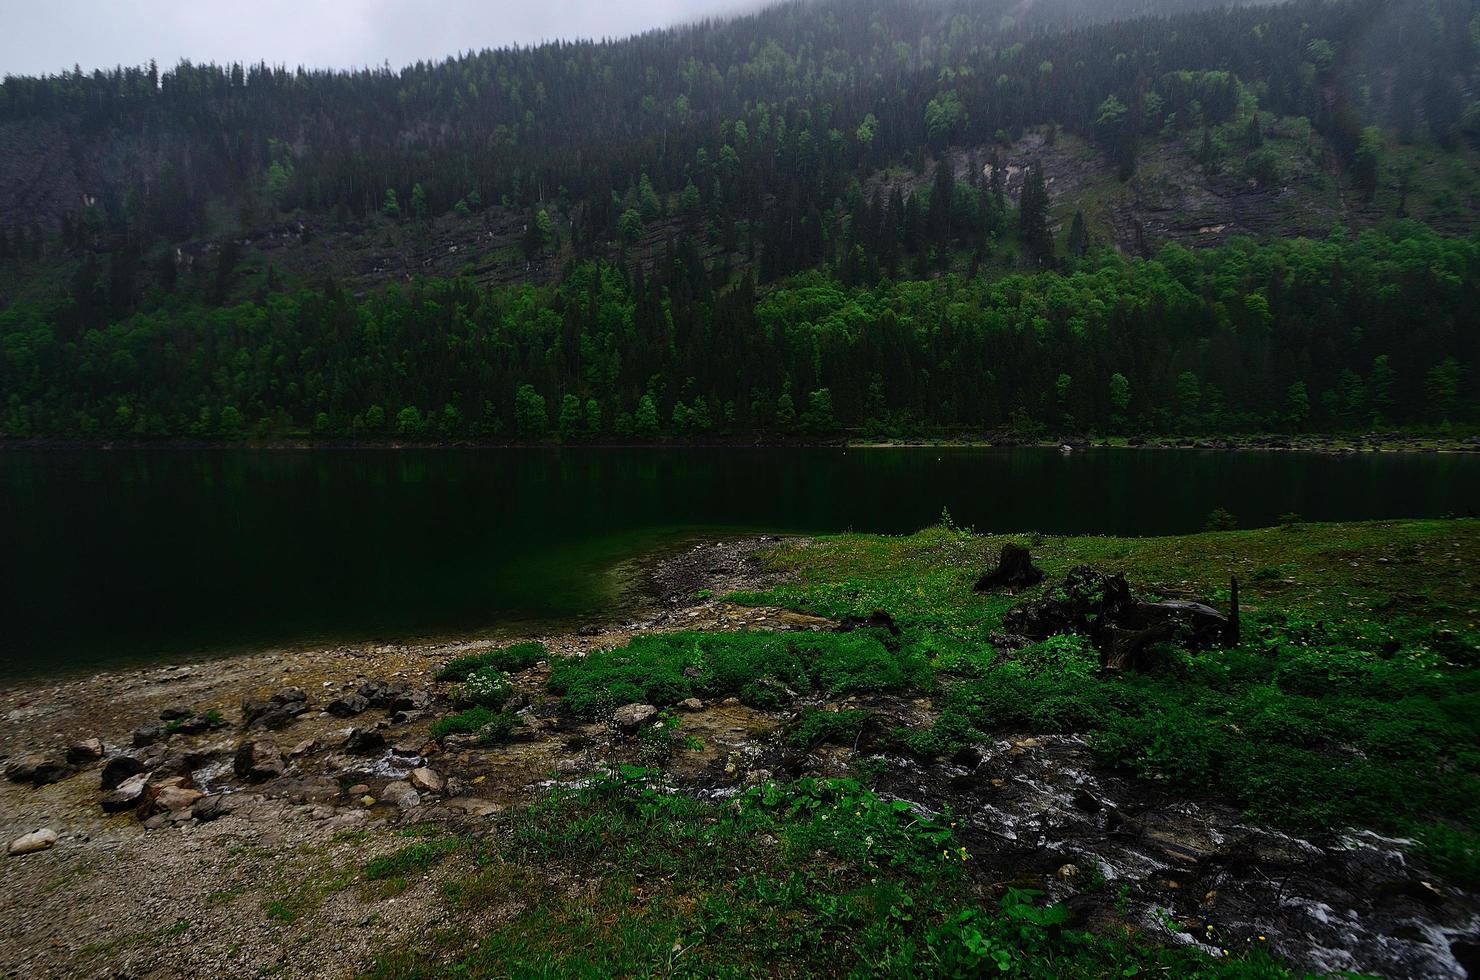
{"points": [[110, 556]]}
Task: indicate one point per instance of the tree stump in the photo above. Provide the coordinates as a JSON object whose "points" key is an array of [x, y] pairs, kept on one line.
{"points": [[1015, 571]]}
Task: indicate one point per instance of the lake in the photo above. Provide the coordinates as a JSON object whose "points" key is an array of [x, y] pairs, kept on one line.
{"points": [[122, 555]]}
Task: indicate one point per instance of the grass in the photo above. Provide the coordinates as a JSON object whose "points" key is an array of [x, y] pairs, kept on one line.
{"points": [[763, 669], [850, 883], [509, 659], [491, 726], [1354, 699]]}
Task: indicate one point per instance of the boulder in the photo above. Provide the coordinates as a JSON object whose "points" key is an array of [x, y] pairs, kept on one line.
{"points": [[84, 751], [363, 741], [278, 711], [209, 808], [258, 759], [348, 706], [147, 735], [193, 725], [23, 770], [411, 701], [402, 794], [50, 771], [425, 780], [1015, 571], [128, 794], [37, 840], [38, 770], [170, 796], [631, 717]]}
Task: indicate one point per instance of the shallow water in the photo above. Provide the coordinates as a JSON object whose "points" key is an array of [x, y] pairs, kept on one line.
{"points": [[113, 556]]}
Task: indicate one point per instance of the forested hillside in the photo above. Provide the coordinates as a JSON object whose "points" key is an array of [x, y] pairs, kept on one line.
{"points": [[893, 215]]}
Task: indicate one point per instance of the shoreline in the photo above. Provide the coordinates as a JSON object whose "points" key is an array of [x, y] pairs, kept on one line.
{"points": [[1322, 443]]}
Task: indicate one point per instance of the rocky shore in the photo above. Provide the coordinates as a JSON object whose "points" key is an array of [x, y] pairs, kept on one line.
{"points": [[222, 818], [151, 816]]}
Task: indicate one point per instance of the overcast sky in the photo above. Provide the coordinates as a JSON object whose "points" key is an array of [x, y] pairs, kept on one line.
{"points": [[48, 36]]}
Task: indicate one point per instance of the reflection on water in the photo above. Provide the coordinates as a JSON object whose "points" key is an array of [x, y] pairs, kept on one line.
{"points": [[121, 554]]}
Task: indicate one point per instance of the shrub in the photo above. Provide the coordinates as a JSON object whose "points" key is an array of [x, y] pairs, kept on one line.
{"points": [[491, 727], [487, 687]]}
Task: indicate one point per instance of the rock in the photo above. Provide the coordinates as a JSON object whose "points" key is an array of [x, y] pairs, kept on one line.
{"points": [[425, 780], [358, 789], [364, 741], [475, 806], [146, 735], [51, 771], [878, 619], [348, 706], [23, 770], [691, 704], [84, 751], [277, 711], [258, 759], [402, 794], [1015, 571], [411, 701], [37, 840], [194, 725], [209, 808], [384, 695], [172, 799], [176, 713], [631, 717], [128, 794]]}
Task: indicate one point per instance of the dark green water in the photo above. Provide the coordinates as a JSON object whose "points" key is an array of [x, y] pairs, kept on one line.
{"points": [[111, 556]]}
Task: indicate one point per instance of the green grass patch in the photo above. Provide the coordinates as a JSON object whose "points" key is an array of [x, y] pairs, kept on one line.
{"points": [[509, 659], [812, 877], [492, 727], [759, 668]]}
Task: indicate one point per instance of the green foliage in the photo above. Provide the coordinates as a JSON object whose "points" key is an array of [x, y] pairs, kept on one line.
{"points": [[411, 859], [510, 659], [815, 727], [759, 668], [491, 727], [487, 687]]}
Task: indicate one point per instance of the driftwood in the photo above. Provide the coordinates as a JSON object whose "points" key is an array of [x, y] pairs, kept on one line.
{"points": [[1122, 627], [1015, 571]]}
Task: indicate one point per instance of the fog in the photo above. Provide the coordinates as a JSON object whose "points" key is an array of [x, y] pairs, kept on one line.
{"points": [[49, 36]]}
